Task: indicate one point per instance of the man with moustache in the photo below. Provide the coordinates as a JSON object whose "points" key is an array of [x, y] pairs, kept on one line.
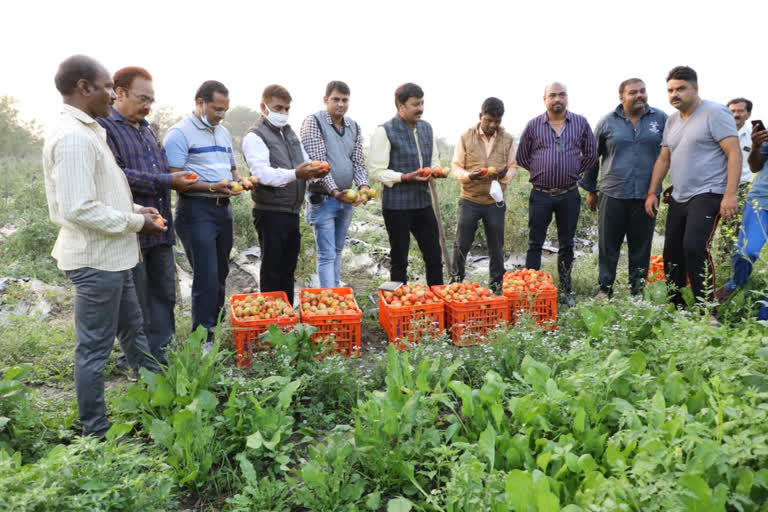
{"points": [[89, 199], [204, 222], [276, 156], [628, 142], [330, 136], [556, 147], [700, 150], [399, 149], [145, 164], [484, 145], [741, 108]]}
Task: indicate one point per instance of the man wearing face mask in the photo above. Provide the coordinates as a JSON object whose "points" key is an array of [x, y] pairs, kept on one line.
{"points": [[399, 149], [145, 164], [276, 156], [628, 141], [200, 144], [485, 145]]}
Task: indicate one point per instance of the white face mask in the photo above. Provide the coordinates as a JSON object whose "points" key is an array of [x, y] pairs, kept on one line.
{"points": [[277, 120]]}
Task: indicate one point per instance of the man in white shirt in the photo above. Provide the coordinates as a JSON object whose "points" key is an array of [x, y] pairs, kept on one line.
{"points": [[741, 108], [275, 155], [97, 247]]}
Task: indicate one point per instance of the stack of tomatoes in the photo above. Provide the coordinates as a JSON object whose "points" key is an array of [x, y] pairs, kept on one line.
{"points": [[259, 307], [437, 172], [411, 295], [527, 283], [464, 292], [328, 302]]}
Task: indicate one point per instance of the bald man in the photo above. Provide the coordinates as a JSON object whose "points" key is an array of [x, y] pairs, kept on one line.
{"points": [[556, 148]]}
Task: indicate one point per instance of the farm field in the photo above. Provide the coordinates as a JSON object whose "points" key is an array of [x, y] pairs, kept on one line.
{"points": [[630, 405]]}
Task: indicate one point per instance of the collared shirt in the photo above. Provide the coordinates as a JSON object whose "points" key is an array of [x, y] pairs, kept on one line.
{"points": [[256, 154], [460, 152], [88, 197], [314, 144], [195, 147], [379, 157], [745, 143], [145, 165], [628, 153], [556, 161]]}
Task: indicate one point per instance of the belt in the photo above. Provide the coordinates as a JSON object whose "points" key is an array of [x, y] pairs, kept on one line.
{"points": [[218, 201], [556, 191]]}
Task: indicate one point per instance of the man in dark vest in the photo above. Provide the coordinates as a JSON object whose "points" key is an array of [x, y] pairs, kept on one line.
{"points": [[275, 155], [484, 154], [399, 149], [330, 135]]}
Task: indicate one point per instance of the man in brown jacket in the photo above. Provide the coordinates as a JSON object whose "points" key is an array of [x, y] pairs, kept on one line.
{"points": [[484, 155]]}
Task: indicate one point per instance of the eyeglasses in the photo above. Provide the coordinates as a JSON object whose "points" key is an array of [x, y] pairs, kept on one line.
{"points": [[144, 99], [560, 145]]}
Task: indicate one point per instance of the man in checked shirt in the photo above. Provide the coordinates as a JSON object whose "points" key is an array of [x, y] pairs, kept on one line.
{"points": [[331, 136], [145, 164], [556, 148]]}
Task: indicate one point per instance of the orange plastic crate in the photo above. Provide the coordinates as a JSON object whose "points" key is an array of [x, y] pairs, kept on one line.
{"points": [[469, 322], [542, 307], [341, 330], [246, 332], [410, 322], [656, 269]]}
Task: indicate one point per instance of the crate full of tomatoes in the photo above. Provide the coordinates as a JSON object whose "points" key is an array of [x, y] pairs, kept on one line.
{"points": [[251, 315], [335, 314], [409, 313], [532, 292], [471, 311]]}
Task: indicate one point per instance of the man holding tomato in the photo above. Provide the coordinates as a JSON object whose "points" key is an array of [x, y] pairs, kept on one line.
{"points": [[276, 156], [482, 150], [145, 164], [204, 221], [400, 150], [330, 136]]}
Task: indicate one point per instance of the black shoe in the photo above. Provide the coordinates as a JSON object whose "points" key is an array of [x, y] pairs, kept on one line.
{"points": [[723, 293], [568, 299]]}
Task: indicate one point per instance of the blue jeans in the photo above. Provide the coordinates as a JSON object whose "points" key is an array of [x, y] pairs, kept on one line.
{"points": [[207, 234], [330, 220], [752, 237]]}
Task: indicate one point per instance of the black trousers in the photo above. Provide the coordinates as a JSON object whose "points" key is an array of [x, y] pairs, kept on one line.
{"points": [[618, 218], [470, 214], [423, 224], [280, 243], [689, 230], [566, 209]]}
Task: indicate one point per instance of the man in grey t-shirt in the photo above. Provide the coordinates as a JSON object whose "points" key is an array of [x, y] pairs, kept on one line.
{"points": [[700, 149]]}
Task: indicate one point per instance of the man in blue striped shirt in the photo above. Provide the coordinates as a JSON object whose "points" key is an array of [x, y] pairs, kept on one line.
{"points": [[204, 219], [144, 162], [556, 148]]}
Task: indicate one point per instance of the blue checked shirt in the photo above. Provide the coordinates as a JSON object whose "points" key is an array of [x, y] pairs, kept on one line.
{"points": [[145, 164]]}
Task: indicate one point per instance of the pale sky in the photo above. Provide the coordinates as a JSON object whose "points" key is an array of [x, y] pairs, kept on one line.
{"points": [[458, 52]]}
